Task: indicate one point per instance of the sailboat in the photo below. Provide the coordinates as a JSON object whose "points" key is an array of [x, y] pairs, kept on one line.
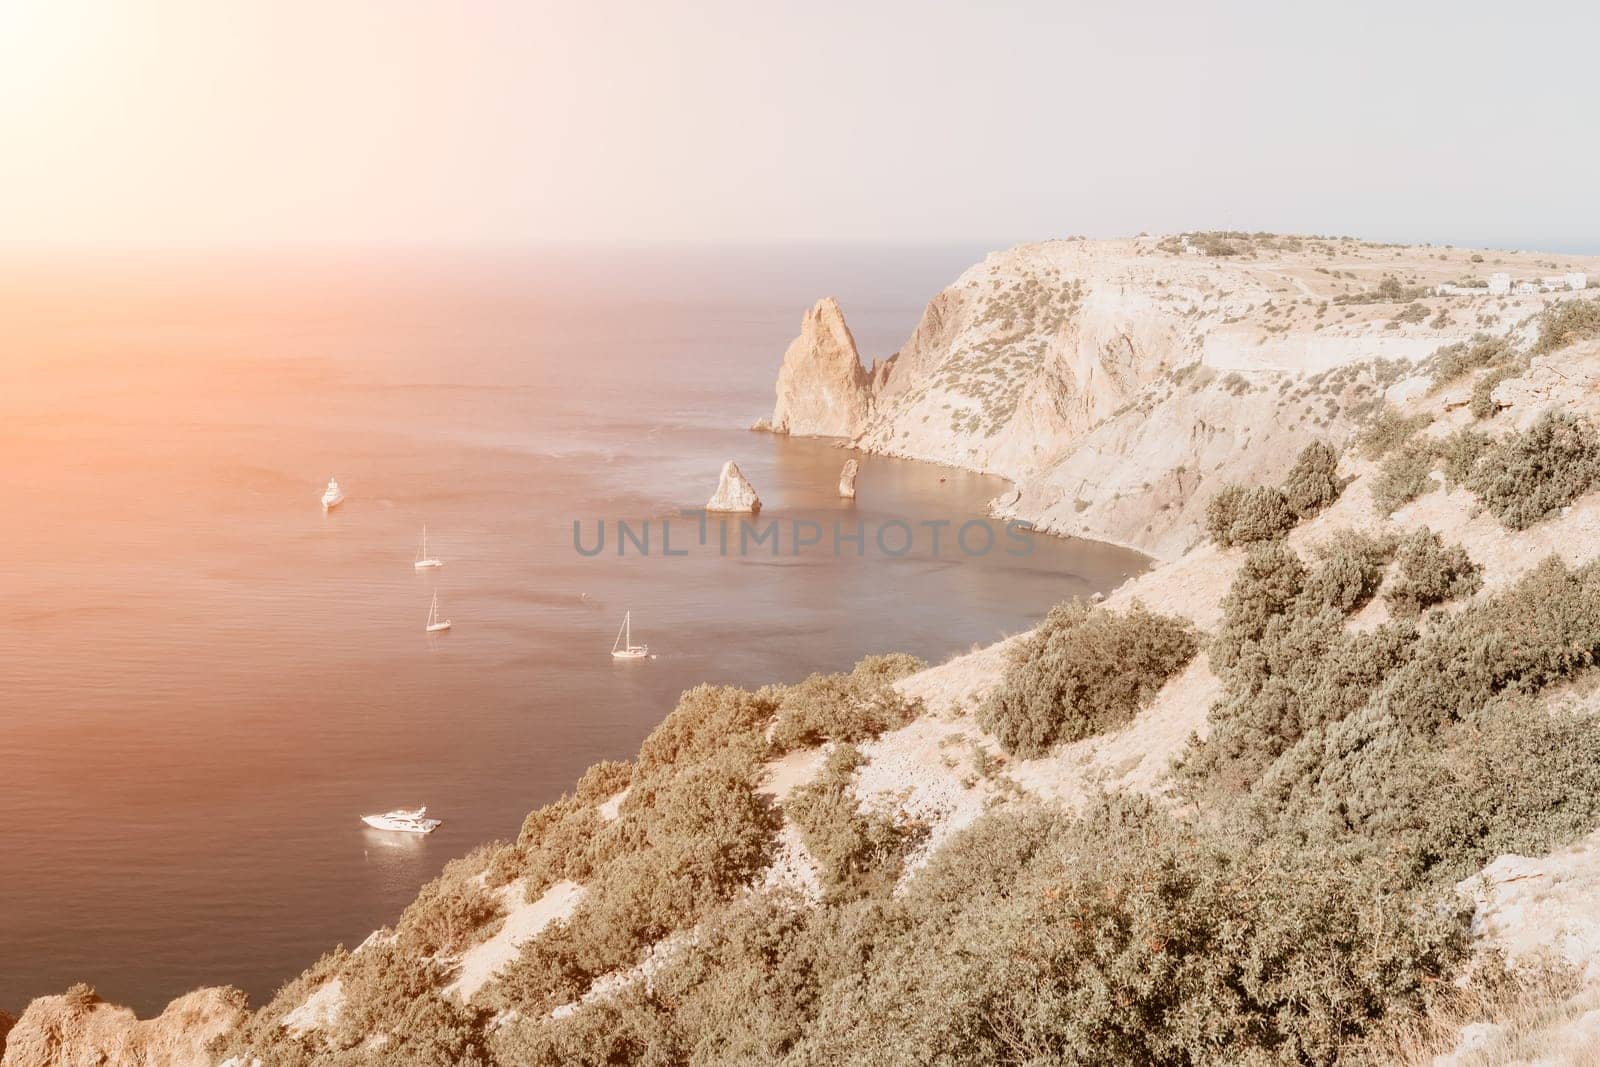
{"points": [[424, 561], [435, 624], [623, 647]]}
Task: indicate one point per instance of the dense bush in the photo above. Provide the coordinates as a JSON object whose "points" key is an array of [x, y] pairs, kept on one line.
{"points": [[708, 719], [1287, 663], [1127, 938], [1454, 361], [1240, 516], [1565, 323], [685, 838], [450, 913], [859, 852], [1312, 483], [1461, 452], [1484, 405], [1403, 476], [1351, 570], [844, 707], [1524, 477], [1429, 572], [1350, 777], [1082, 672], [1387, 431]]}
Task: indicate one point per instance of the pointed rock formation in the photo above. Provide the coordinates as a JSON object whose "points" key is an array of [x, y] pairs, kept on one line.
{"points": [[847, 479], [734, 492], [823, 390]]}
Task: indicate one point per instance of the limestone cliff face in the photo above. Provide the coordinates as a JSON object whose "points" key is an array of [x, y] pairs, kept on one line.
{"points": [[1118, 383], [79, 1028], [823, 390]]}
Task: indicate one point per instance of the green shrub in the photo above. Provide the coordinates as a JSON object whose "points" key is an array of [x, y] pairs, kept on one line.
{"points": [[1265, 587], [1430, 572], [708, 718], [844, 707], [859, 853], [1402, 477], [1312, 483], [604, 780], [1484, 405], [1387, 431], [1287, 664], [1082, 672], [1351, 570], [1464, 357], [685, 838], [1542, 630], [1126, 937], [1566, 323], [1461, 452], [449, 914], [1240, 516], [1524, 477]]}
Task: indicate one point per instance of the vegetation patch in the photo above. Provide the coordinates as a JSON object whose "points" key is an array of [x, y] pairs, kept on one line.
{"points": [[1524, 477], [1430, 572], [1082, 672], [1403, 476], [860, 853], [844, 707], [1240, 516]]}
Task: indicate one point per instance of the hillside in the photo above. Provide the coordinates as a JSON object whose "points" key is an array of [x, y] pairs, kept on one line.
{"points": [[1322, 787], [1117, 382]]}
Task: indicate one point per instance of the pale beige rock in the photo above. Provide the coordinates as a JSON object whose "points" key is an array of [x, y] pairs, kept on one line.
{"points": [[823, 391], [734, 492], [1119, 387], [64, 1031], [847, 479]]}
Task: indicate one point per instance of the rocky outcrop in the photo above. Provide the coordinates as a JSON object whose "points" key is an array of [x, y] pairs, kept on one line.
{"points": [[1117, 384], [847, 479], [734, 492], [80, 1028], [823, 390]]}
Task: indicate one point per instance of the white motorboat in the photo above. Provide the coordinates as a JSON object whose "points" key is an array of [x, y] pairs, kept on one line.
{"points": [[424, 561], [404, 821], [332, 496], [435, 624], [623, 647]]}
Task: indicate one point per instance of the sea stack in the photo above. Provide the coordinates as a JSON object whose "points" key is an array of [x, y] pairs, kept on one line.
{"points": [[734, 492], [823, 390], [847, 479]]}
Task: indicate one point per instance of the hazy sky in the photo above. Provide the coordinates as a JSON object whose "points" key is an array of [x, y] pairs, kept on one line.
{"points": [[392, 120]]}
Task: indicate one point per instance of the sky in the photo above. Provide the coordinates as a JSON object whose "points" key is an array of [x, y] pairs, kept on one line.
{"points": [[219, 122]]}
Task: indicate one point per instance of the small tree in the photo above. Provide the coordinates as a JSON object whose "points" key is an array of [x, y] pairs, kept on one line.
{"points": [[1430, 572], [1312, 483]]}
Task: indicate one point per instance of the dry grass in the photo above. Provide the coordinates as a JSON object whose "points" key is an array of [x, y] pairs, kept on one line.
{"points": [[1503, 1017]]}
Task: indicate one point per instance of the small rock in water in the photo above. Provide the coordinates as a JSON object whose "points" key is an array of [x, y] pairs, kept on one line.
{"points": [[847, 479], [734, 492]]}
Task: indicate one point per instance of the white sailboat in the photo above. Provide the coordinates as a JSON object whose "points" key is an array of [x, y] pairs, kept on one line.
{"points": [[404, 820], [623, 647], [435, 624], [332, 496], [424, 561]]}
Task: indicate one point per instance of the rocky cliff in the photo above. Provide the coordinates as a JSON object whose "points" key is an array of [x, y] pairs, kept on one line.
{"points": [[823, 390], [80, 1028], [1116, 383]]}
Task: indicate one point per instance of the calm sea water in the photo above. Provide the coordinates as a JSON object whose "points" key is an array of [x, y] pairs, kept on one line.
{"points": [[204, 680]]}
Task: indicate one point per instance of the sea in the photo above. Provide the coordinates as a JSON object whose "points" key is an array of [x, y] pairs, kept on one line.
{"points": [[205, 680]]}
